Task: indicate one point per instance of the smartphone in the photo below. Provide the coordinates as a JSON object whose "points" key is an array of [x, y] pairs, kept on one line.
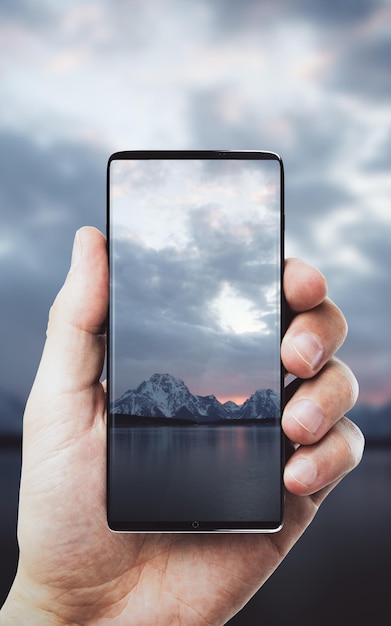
{"points": [[194, 376]]}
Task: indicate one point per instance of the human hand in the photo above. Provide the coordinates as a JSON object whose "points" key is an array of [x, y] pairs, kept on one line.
{"points": [[72, 569]]}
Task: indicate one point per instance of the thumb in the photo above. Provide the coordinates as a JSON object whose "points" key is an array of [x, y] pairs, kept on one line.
{"points": [[73, 356]]}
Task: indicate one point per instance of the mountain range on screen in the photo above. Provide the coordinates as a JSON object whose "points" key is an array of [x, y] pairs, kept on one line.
{"points": [[165, 397]]}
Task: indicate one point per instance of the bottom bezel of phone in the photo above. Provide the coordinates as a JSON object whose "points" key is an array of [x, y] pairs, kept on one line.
{"points": [[195, 526]]}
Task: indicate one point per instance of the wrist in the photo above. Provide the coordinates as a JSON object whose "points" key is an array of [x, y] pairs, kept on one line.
{"points": [[20, 609]]}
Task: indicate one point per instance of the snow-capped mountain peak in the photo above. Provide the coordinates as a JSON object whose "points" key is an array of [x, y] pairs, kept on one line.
{"points": [[165, 396]]}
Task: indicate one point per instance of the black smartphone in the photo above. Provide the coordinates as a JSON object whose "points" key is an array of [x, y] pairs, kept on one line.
{"points": [[194, 376]]}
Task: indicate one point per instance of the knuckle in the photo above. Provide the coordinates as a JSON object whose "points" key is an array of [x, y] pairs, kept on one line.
{"points": [[338, 322], [352, 439], [343, 380]]}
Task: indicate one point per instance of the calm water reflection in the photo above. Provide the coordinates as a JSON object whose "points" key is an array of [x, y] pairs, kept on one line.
{"points": [[207, 473]]}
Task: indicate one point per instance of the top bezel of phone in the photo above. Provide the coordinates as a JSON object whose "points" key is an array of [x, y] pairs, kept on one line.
{"points": [[196, 154]]}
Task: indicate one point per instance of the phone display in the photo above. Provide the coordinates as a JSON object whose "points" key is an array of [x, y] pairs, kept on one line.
{"points": [[195, 243]]}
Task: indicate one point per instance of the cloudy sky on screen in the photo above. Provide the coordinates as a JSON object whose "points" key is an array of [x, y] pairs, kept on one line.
{"points": [[196, 263], [307, 79]]}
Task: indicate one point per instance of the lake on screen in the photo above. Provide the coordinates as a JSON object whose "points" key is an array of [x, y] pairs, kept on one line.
{"points": [[202, 472]]}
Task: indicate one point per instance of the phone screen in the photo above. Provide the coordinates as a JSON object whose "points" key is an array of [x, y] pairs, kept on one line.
{"points": [[194, 370]]}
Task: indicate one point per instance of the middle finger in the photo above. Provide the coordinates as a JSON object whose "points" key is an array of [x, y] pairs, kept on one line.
{"points": [[312, 339]]}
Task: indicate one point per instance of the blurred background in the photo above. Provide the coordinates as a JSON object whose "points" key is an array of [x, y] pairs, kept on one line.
{"points": [[308, 79]]}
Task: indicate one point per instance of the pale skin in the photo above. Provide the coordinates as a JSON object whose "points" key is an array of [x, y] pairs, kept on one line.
{"points": [[72, 569]]}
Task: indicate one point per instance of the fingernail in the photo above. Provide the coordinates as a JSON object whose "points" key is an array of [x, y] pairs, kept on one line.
{"points": [[76, 251], [303, 471], [307, 414], [309, 349]]}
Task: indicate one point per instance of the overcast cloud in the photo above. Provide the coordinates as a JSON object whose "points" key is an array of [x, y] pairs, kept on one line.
{"points": [[307, 79], [196, 263]]}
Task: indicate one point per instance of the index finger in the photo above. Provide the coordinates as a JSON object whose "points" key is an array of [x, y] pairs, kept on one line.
{"points": [[304, 286]]}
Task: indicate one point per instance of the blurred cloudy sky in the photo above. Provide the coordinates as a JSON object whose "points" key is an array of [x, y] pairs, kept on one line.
{"points": [[195, 254], [305, 78]]}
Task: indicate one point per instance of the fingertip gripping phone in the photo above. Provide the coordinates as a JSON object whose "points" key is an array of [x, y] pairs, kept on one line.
{"points": [[194, 376]]}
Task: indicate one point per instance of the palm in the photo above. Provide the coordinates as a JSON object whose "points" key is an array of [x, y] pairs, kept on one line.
{"points": [[139, 573]]}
